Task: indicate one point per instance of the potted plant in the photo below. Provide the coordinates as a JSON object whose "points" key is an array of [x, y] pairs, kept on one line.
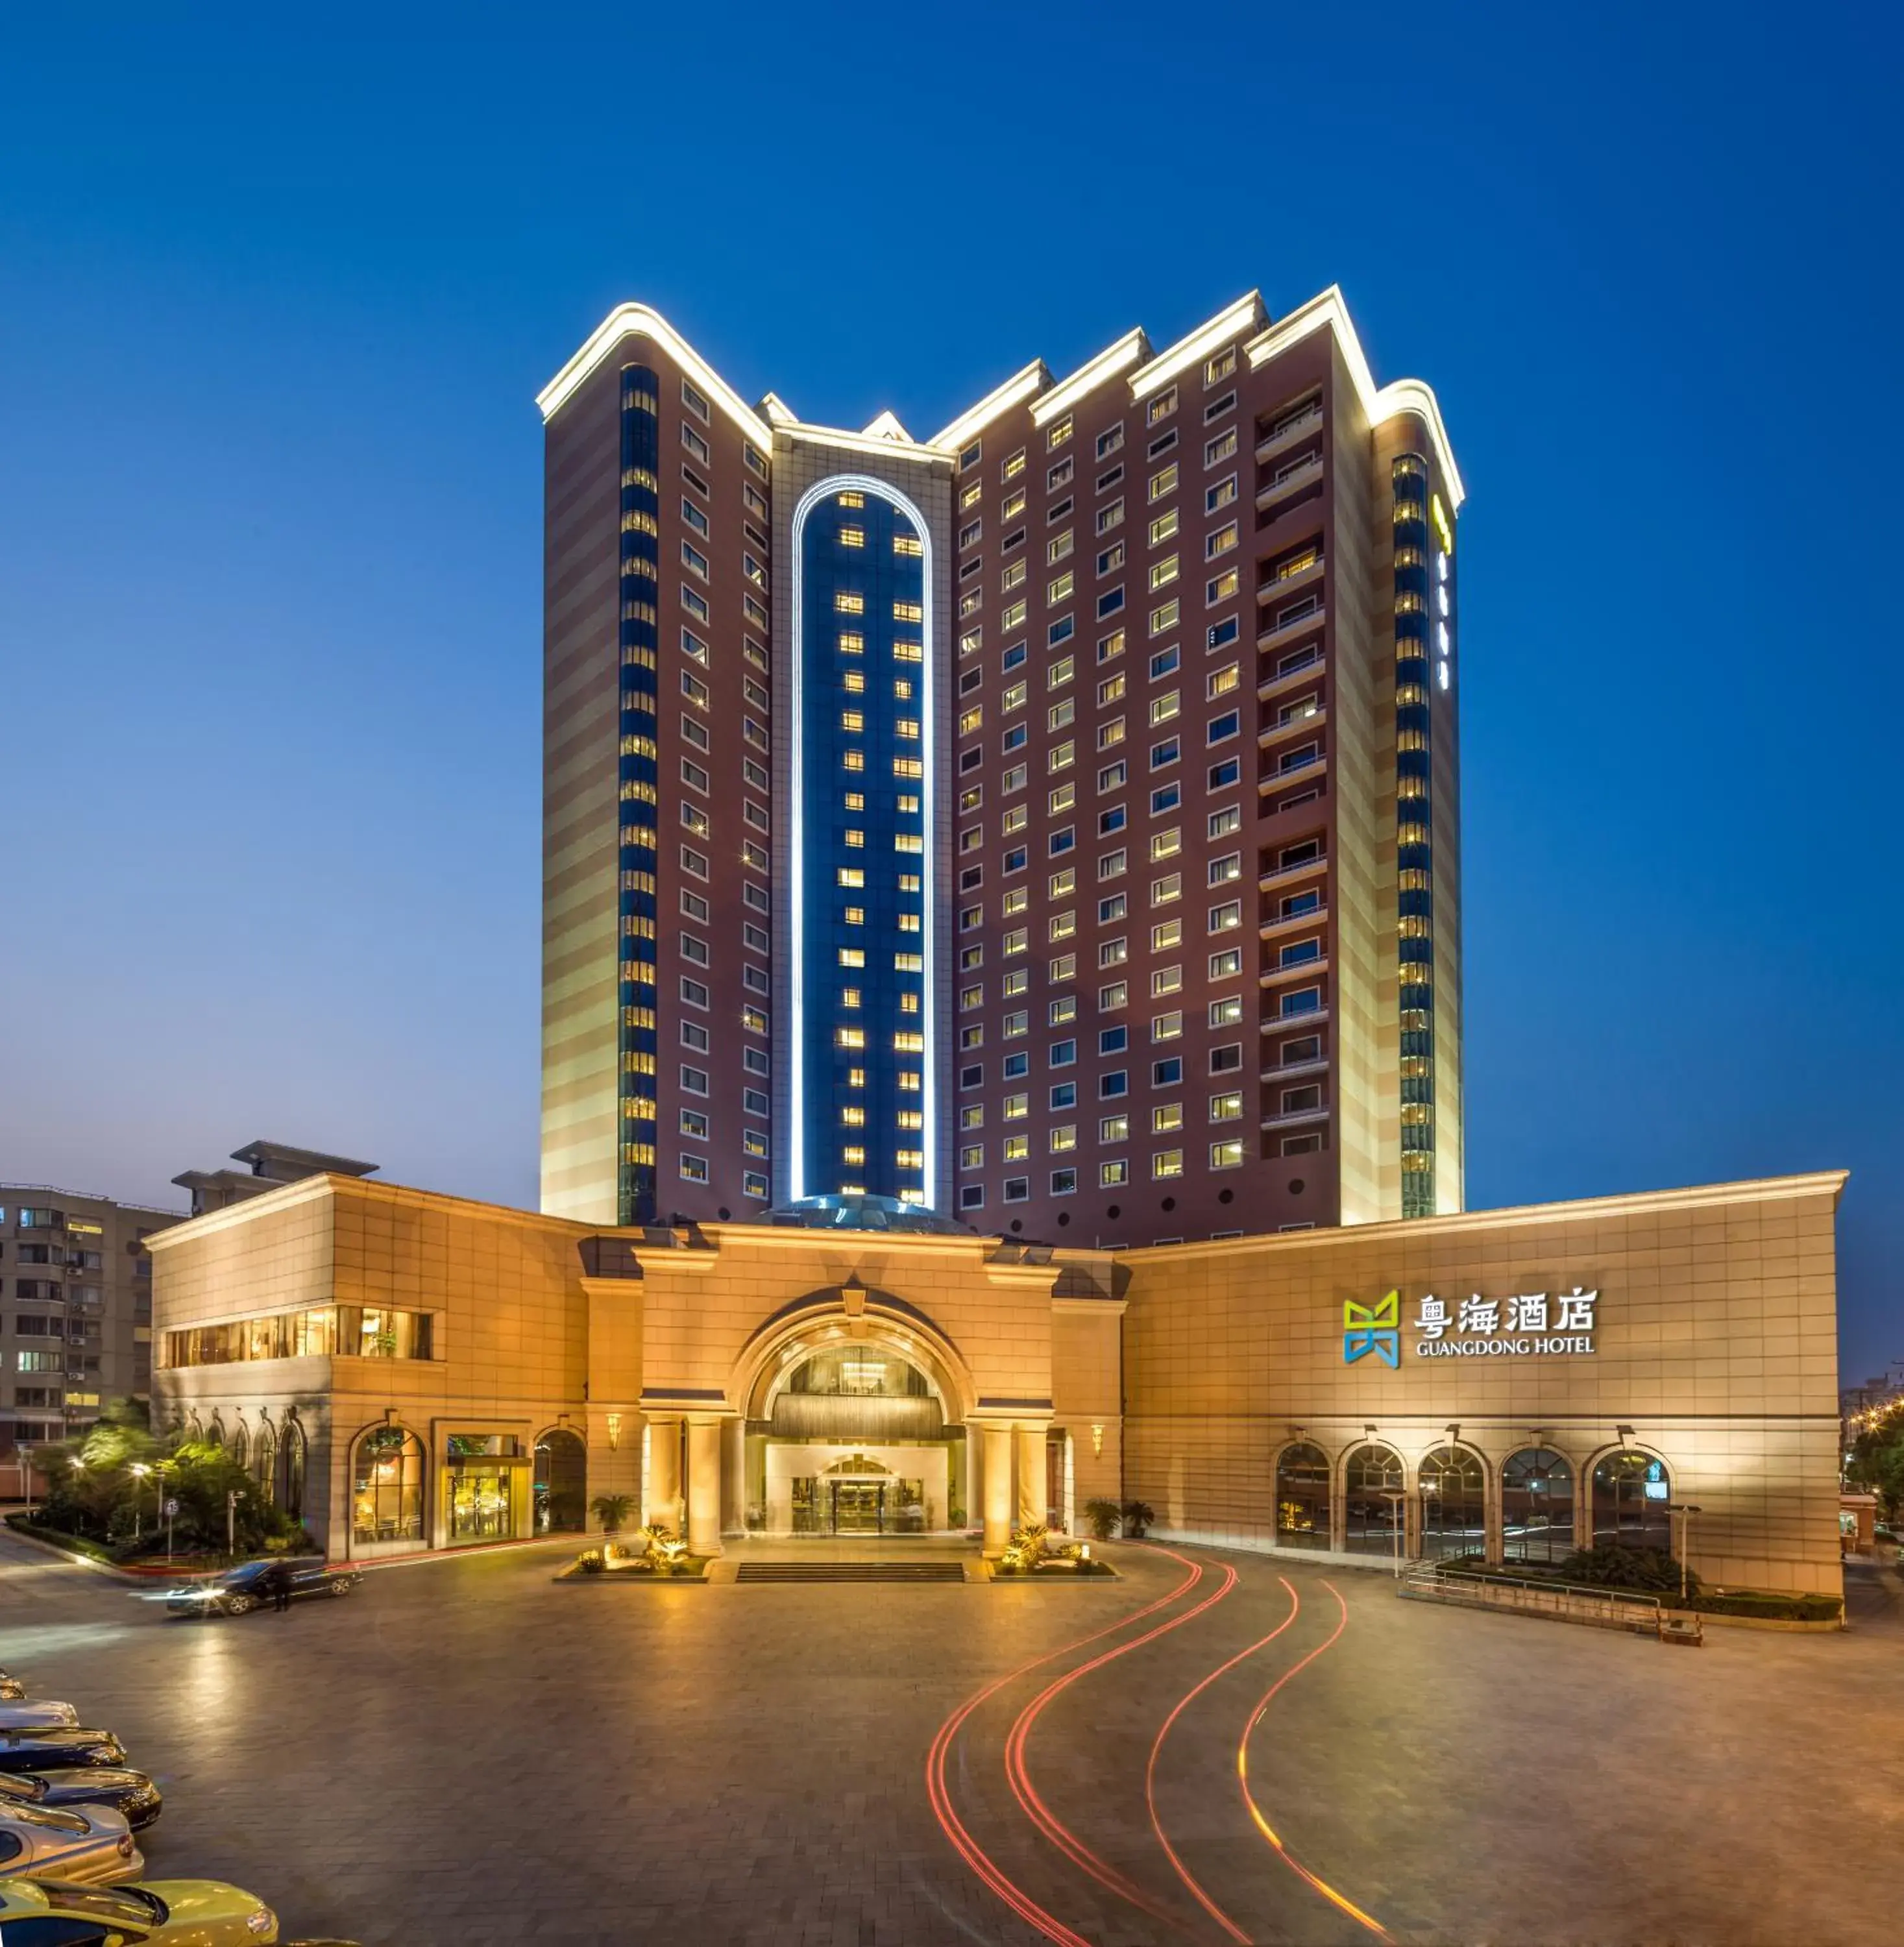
{"points": [[611, 1510], [1103, 1516], [1138, 1516]]}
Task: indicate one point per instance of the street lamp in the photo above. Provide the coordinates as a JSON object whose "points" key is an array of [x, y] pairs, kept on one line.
{"points": [[1686, 1510], [138, 1469]]}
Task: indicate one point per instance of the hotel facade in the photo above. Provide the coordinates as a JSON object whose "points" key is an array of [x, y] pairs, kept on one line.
{"points": [[985, 877], [1054, 821], [420, 1371]]}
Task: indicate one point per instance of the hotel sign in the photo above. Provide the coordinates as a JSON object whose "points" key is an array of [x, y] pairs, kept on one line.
{"points": [[1529, 1325]]}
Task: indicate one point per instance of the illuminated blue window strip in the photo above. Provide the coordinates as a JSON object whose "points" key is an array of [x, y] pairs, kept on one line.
{"points": [[797, 1169]]}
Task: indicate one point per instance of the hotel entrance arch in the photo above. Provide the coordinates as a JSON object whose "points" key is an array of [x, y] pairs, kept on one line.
{"points": [[854, 1406], [1631, 1491]]}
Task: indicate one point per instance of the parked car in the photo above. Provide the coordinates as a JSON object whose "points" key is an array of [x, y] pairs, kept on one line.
{"points": [[21, 1716], [87, 1845], [167, 1913], [129, 1792], [62, 1747], [10, 1686], [237, 1592]]}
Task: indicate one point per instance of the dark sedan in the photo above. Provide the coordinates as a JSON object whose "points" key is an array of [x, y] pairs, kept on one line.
{"points": [[237, 1592], [58, 1747], [130, 1792]]}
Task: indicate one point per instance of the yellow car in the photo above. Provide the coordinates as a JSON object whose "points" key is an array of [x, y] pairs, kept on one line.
{"points": [[167, 1913]]}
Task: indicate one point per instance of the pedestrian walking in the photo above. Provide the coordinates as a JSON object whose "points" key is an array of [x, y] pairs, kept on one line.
{"points": [[280, 1581]]}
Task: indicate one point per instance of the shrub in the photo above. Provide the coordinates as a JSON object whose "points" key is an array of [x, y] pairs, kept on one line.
{"points": [[1612, 1564], [1103, 1516], [1138, 1516]]}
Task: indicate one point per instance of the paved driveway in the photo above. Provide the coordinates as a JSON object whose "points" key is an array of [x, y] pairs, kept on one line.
{"points": [[464, 1753]]}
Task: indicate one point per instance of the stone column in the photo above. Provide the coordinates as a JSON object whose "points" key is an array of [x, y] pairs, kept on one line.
{"points": [[664, 1472], [1029, 1441], [996, 1487], [733, 1476], [703, 1487]]}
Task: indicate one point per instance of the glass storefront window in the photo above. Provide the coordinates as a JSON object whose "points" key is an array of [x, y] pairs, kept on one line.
{"points": [[1536, 1506], [1302, 1497], [330, 1331], [1372, 1509], [1454, 1503], [1631, 1493], [387, 1487]]}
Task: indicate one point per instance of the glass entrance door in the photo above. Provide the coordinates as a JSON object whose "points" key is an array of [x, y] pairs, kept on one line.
{"points": [[858, 1507]]}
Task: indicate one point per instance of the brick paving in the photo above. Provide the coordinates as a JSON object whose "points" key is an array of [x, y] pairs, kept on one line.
{"points": [[465, 1753]]}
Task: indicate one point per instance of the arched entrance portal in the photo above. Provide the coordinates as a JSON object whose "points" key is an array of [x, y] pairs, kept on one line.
{"points": [[855, 1441], [561, 1483]]}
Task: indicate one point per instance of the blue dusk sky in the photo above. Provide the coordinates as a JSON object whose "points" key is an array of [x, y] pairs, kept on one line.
{"points": [[278, 289]]}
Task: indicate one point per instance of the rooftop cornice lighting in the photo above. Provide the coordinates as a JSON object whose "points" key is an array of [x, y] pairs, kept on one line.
{"points": [[1245, 314], [633, 320], [886, 425], [1129, 350], [1329, 312], [774, 407], [860, 442], [1021, 386]]}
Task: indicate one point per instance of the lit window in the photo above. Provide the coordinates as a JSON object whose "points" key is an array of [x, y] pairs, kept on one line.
{"points": [[908, 611], [1226, 1156], [1220, 543], [850, 499], [852, 645], [849, 875], [909, 544], [1167, 1163], [846, 604], [1163, 527], [853, 1038], [853, 537], [1163, 483]]}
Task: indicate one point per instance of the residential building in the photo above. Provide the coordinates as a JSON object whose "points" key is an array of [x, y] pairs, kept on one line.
{"points": [[76, 1311]]}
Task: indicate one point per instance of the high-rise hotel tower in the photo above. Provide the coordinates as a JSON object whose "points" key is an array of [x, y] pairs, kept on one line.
{"points": [[1055, 822]]}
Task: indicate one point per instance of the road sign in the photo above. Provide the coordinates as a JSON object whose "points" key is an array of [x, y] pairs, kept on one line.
{"points": [[170, 1509]]}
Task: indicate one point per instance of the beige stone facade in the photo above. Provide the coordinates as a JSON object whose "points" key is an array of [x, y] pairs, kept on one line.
{"points": [[452, 1372]]}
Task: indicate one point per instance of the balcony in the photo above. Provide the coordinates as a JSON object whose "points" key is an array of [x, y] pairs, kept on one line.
{"points": [[1294, 1071], [1313, 718], [1284, 1023], [1295, 768], [1302, 667], [1279, 439], [1319, 1113], [1298, 474], [1284, 875], [1288, 976], [1284, 923], [1285, 585]]}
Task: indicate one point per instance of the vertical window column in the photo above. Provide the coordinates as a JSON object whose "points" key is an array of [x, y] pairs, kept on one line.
{"points": [[638, 857], [1414, 851]]}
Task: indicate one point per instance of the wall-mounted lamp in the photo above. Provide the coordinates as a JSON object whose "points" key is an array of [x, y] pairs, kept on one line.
{"points": [[390, 1415], [1368, 1428], [1097, 1442], [1452, 1430], [1624, 1432], [615, 1430]]}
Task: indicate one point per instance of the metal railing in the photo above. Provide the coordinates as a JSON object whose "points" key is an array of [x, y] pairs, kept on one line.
{"points": [[1561, 1601]]}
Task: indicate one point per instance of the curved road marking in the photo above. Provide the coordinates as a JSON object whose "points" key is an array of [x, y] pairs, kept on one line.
{"points": [[1184, 1873], [939, 1795], [1019, 1775], [1262, 1824]]}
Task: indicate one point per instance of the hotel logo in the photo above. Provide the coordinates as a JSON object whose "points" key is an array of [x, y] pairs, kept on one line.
{"points": [[1373, 1327]]}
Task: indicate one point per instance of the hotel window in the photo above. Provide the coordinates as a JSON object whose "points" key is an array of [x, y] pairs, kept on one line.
{"points": [[1166, 1117], [1166, 844], [1220, 682], [1167, 1027], [1109, 441], [1162, 528], [695, 444], [753, 1184], [1221, 448], [1227, 1012], [1057, 476], [1226, 1155], [1163, 483], [1219, 367], [1227, 1060], [1162, 407], [907, 544], [1220, 496], [1166, 980], [1057, 434], [1220, 543], [1226, 964], [1221, 729], [695, 1124], [1166, 616], [969, 457], [1164, 707], [1116, 1083], [1110, 516], [1059, 1012], [1226, 918], [1162, 573], [1057, 548], [1010, 468], [1114, 1175], [1016, 1108], [1227, 1107], [693, 992], [1062, 1139], [845, 603], [1014, 504], [1166, 1163], [1114, 995], [1064, 1182], [694, 1081], [1013, 575], [1017, 1189]]}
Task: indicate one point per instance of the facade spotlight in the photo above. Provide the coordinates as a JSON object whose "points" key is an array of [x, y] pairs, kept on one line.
{"points": [[1624, 1432]]}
